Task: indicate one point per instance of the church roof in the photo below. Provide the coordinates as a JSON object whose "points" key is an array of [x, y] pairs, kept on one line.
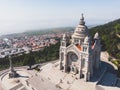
{"points": [[79, 47]]}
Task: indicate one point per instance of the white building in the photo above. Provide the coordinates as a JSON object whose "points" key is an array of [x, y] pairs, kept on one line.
{"points": [[80, 55]]}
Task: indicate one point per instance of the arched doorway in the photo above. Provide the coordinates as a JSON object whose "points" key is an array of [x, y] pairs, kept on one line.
{"points": [[72, 62]]}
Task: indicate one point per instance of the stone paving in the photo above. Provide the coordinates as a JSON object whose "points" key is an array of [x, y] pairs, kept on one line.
{"points": [[1, 86], [63, 80], [39, 83], [69, 81], [17, 83], [51, 78]]}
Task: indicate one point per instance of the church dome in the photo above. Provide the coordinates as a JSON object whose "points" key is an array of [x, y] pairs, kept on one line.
{"points": [[81, 30], [96, 35]]}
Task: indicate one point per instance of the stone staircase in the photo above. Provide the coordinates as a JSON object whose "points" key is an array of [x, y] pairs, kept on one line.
{"points": [[20, 86]]}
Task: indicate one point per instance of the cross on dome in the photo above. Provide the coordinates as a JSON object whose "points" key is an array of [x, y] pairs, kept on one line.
{"points": [[82, 22], [82, 17]]}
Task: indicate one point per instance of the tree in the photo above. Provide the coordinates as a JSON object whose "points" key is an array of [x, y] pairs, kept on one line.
{"points": [[117, 63], [29, 60], [117, 28], [109, 37]]}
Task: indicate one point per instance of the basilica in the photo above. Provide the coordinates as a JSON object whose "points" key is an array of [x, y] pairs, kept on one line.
{"points": [[80, 54]]}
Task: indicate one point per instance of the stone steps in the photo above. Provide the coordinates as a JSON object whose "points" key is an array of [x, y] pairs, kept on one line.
{"points": [[20, 86], [17, 86]]}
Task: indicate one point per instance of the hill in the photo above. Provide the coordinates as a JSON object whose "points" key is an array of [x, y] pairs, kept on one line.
{"points": [[48, 31], [110, 37]]}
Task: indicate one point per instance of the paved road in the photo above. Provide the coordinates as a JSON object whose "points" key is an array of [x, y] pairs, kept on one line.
{"points": [[110, 75]]}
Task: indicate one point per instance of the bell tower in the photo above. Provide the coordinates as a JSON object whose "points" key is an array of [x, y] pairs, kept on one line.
{"points": [[62, 54], [97, 50], [86, 57]]}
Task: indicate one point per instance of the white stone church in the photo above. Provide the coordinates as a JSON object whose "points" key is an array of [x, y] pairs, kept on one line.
{"points": [[80, 55]]}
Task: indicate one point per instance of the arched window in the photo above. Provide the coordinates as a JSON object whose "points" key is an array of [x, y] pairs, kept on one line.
{"points": [[74, 57], [76, 40], [62, 56]]}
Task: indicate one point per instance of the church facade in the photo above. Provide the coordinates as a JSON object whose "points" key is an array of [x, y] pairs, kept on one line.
{"points": [[80, 55]]}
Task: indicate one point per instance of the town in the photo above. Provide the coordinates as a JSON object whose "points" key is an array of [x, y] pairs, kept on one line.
{"points": [[25, 43]]}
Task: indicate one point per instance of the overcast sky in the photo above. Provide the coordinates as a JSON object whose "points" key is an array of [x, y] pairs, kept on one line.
{"points": [[22, 15]]}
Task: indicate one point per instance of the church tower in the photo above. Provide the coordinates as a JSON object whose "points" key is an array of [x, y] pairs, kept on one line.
{"points": [[97, 50], [86, 59], [63, 51]]}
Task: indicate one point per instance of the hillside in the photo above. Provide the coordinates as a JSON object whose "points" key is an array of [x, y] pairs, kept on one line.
{"points": [[48, 31], [110, 37]]}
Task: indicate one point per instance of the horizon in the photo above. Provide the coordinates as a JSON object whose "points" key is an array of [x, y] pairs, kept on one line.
{"points": [[25, 15], [49, 28]]}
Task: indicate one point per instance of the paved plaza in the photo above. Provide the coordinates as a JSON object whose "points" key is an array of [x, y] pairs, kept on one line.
{"points": [[18, 83], [51, 78]]}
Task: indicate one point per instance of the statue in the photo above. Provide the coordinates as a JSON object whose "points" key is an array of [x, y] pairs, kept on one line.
{"points": [[12, 73]]}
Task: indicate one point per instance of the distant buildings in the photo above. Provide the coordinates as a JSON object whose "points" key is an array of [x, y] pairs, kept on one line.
{"points": [[25, 43], [11, 51]]}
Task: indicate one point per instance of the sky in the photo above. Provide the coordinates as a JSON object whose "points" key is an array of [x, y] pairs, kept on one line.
{"points": [[22, 15]]}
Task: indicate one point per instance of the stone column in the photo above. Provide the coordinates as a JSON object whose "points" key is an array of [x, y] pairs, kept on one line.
{"points": [[10, 62], [61, 67], [65, 59], [12, 73], [60, 60], [88, 76], [80, 68]]}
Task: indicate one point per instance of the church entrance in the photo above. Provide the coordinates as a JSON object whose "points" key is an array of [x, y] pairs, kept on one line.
{"points": [[74, 69], [72, 62], [82, 76]]}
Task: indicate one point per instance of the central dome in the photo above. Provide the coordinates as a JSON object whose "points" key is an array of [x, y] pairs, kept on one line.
{"points": [[81, 31]]}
